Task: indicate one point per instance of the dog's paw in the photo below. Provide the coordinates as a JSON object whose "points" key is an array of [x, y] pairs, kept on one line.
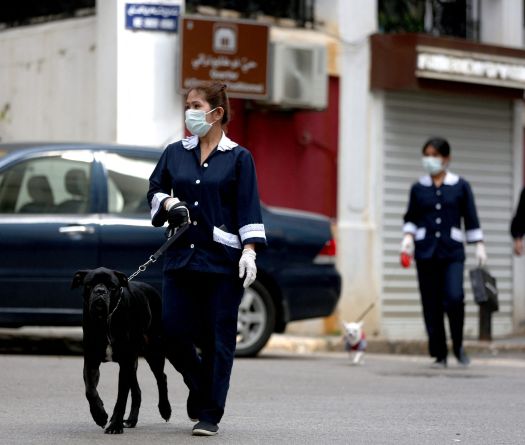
{"points": [[114, 428], [165, 409], [99, 415]]}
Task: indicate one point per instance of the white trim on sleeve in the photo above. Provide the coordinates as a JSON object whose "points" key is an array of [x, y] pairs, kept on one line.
{"points": [[409, 228], [156, 202], [474, 235], [252, 231]]}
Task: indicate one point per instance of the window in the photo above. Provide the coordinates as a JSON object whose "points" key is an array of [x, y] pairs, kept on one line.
{"points": [[128, 183], [54, 184], [459, 18]]}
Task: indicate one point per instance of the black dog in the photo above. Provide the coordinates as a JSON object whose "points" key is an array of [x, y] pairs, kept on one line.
{"points": [[121, 320]]}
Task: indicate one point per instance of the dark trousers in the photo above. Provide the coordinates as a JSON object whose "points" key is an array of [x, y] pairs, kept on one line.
{"points": [[441, 288], [199, 310]]}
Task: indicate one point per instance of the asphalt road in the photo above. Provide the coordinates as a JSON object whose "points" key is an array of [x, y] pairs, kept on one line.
{"points": [[278, 399]]}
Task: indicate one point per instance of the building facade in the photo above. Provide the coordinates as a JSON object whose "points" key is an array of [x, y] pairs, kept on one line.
{"points": [[353, 158]]}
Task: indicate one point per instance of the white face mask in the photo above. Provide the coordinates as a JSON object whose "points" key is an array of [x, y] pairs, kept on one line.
{"points": [[432, 165], [196, 122]]}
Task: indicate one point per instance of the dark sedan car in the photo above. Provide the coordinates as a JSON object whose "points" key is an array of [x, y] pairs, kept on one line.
{"points": [[65, 207]]}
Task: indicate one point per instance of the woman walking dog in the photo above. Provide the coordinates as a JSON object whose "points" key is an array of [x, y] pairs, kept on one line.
{"points": [[209, 182], [438, 203]]}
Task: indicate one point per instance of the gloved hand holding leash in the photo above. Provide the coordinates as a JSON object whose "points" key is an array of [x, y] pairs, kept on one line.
{"points": [[178, 215]]}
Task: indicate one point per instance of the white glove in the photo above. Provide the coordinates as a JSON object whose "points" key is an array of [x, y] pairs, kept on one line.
{"points": [[247, 266], [407, 244], [481, 254]]}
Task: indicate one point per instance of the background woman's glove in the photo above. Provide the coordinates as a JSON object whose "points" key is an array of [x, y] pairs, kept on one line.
{"points": [[407, 245], [481, 254], [178, 213], [247, 266]]}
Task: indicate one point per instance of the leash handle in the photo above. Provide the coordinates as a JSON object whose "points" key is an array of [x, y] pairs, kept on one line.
{"points": [[161, 250]]}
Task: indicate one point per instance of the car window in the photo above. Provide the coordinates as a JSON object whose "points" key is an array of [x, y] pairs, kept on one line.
{"points": [[128, 183], [50, 184]]}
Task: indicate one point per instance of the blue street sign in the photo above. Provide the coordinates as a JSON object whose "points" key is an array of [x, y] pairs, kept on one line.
{"points": [[152, 17]]}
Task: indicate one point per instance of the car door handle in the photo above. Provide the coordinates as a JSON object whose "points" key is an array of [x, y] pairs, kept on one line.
{"points": [[76, 229]]}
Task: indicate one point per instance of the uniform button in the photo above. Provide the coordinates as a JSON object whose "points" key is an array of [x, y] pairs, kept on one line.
{"points": [[438, 193], [205, 164], [192, 246], [198, 181], [194, 223], [438, 234], [196, 203], [438, 206], [438, 220]]}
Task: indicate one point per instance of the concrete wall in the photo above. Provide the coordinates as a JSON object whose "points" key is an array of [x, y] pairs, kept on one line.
{"points": [[138, 102], [47, 81], [90, 79]]}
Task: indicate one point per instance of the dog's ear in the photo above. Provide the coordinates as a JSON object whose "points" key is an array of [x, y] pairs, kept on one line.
{"points": [[122, 278], [78, 278], [360, 323]]}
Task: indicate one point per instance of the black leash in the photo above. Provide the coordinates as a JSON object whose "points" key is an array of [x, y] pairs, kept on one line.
{"points": [[171, 239]]}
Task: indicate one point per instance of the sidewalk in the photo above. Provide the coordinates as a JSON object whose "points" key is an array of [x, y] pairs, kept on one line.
{"points": [[68, 341]]}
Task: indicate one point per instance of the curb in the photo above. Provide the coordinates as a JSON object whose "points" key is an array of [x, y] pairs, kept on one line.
{"points": [[305, 345], [68, 341], [42, 341]]}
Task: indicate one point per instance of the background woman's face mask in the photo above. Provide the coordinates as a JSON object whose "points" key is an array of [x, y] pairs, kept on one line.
{"points": [[196, 122], [433, 165]]}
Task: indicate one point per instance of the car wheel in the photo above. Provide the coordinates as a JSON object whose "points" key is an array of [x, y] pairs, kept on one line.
{"points": [[256, 320]]}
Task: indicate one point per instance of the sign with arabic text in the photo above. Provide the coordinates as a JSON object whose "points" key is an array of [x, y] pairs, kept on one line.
{"points": [[235, 53], [152, 17]]}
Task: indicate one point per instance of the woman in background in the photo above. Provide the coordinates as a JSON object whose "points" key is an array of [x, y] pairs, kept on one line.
{"points": [[438, 203]]}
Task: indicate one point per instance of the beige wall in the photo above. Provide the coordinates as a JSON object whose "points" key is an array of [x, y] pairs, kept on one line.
{"points": [[47, 81]]}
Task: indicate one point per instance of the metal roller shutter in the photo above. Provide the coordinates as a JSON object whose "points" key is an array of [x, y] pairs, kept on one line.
{"points": [[480, 135]]}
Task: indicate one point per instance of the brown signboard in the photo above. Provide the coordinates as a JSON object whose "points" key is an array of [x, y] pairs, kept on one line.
{"points": [[233, 52]]}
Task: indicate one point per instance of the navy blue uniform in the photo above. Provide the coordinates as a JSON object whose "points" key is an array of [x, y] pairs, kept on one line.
{"points": [[201, 287], [434, 216]]}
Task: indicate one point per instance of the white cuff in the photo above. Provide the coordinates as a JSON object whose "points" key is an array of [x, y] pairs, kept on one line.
{"points": [[474, 235], [156, 202], [252, 231], [410, 228]]}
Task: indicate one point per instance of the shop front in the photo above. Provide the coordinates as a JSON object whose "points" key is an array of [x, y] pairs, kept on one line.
{"points": [[470, 94]]}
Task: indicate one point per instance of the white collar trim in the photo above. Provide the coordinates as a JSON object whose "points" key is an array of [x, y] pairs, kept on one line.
{"points": [[225, 144], [450, 179]]}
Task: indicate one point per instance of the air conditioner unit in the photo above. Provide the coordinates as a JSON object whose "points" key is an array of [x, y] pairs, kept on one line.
{"points": [[299, 76]]}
